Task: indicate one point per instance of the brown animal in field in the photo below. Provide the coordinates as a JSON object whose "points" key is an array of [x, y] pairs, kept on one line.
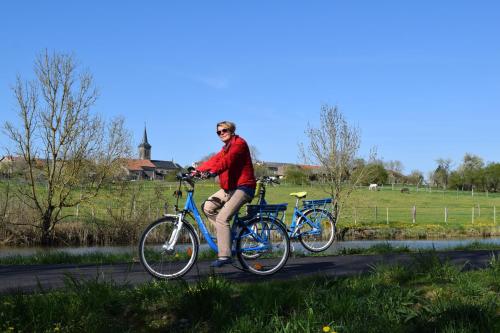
{"points": [[405, 190], [177, 194]]}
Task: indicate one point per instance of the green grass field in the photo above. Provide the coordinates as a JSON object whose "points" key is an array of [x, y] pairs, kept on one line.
{"points": [[388, 213], [363, 208]]}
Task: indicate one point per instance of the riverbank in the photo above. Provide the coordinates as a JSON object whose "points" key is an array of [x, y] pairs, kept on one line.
{"points": [[430, 231], [99, 256], [429, 295]]}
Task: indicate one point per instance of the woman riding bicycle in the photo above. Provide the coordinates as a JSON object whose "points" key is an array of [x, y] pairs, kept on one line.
{"points": [[233, 165]]}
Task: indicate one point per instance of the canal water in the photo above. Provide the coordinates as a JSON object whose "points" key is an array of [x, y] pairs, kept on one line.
{"points": [[297, 247]]}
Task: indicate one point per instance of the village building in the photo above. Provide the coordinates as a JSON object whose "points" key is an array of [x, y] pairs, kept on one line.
{"points": [[278, 169], [146, 168]]}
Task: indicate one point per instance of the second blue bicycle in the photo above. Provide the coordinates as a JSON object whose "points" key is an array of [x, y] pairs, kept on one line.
{"points": [[313, 224]]}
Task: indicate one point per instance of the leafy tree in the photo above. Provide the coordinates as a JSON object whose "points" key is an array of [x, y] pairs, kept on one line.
{"points": [[442, 172], [61, 142], [470, 169], [375, 174], [492, 176], [296, 175]]}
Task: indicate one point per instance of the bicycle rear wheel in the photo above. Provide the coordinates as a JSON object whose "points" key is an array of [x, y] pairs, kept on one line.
{"points": [[263, 246], [317, 230], [163, 262]]}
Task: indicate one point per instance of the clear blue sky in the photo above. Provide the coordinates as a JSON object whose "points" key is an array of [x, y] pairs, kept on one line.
{"points": [[421, 79]]}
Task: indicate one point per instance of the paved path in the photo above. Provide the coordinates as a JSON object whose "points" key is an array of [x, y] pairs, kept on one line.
{"points": [[33, 277]]}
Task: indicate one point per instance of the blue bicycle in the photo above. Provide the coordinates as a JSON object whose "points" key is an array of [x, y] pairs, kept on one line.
{"points": [[169, 247], [313, 224]]}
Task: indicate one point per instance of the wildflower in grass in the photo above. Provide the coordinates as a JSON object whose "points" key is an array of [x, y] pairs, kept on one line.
{"points": [[328, 328]]}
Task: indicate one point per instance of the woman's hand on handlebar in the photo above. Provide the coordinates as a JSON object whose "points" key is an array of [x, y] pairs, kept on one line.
{"points": [[201, 174]]}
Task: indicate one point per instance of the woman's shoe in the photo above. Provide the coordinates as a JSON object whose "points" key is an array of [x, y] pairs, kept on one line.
{"points": [[221, 262]]}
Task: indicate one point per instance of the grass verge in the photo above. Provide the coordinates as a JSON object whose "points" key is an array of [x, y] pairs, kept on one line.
{"points": [[428, 296]]}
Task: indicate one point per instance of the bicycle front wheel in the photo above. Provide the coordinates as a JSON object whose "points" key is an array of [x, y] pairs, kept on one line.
{"points": [[160, 256], [263, 246], [317, 230]]}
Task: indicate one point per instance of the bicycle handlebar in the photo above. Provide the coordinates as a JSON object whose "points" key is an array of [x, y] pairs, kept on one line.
{"points": [[192, 176]]}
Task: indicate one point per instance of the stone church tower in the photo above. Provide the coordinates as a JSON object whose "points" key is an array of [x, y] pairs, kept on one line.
{"points": [[145, 147]]}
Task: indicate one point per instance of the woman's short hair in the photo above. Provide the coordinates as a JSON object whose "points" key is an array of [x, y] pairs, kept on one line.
{"points": [[227, 124]]}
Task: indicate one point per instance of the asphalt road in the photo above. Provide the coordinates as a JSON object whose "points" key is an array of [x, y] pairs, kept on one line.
{"points": [[29, 278]]}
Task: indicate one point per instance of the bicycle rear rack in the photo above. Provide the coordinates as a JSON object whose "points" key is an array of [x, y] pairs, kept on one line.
{"points": [[273, 211]]}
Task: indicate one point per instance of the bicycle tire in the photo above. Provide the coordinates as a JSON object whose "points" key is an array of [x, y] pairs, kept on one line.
{"points": [[163, 264], [268, 238], [314, 240]]}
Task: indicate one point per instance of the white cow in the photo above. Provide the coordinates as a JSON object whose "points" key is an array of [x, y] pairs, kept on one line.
{"points": [[373, 187]]}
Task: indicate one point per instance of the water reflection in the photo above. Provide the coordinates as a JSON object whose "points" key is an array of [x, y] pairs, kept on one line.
{"points": [[297, 247]]}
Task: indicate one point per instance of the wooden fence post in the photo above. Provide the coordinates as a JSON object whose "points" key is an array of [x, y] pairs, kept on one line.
{"points": [[472, 215], [387, 215], [414, 213], [495, 214], [445, 214]]}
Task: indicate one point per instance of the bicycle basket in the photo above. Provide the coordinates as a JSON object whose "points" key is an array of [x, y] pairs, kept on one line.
{"points": [[319, 203], [274, 211]]}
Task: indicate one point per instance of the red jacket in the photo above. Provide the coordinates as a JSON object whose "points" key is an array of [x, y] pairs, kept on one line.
{"points": [[233, 164]]}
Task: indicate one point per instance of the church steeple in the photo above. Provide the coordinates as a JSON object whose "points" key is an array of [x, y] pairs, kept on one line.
{"points": [[145, 147]]}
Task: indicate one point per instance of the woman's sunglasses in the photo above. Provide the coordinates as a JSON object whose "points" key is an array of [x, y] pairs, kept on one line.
{"points": [[224, 130]]}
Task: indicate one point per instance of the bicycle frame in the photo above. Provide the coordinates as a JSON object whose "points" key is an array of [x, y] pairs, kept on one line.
{"points": [[293, 231], [191, 209]]}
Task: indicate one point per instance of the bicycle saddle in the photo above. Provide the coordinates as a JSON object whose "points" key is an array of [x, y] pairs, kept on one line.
{"points": [[299, 195]]}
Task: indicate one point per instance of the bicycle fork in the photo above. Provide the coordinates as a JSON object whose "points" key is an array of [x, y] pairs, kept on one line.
{"points": [[170, 244]]}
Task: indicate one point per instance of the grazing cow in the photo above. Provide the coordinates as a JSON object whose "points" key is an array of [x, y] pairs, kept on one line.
{"points": [[405, 190], [177, 194], [373, 187]]}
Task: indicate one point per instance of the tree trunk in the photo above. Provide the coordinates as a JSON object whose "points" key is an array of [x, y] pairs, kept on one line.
{"points": [[47, 235]]}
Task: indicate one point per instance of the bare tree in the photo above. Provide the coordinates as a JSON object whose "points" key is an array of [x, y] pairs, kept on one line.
{"points": [[254, 153], [65, 147], [394, 170], [416, 177], [334, 146]]}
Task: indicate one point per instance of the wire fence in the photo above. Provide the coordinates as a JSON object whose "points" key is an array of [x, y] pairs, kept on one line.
{"points": [[483, 215], [479, 215]]}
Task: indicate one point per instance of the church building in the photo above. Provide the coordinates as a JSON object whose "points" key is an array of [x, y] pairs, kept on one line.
{"points": [[146, 168]]}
